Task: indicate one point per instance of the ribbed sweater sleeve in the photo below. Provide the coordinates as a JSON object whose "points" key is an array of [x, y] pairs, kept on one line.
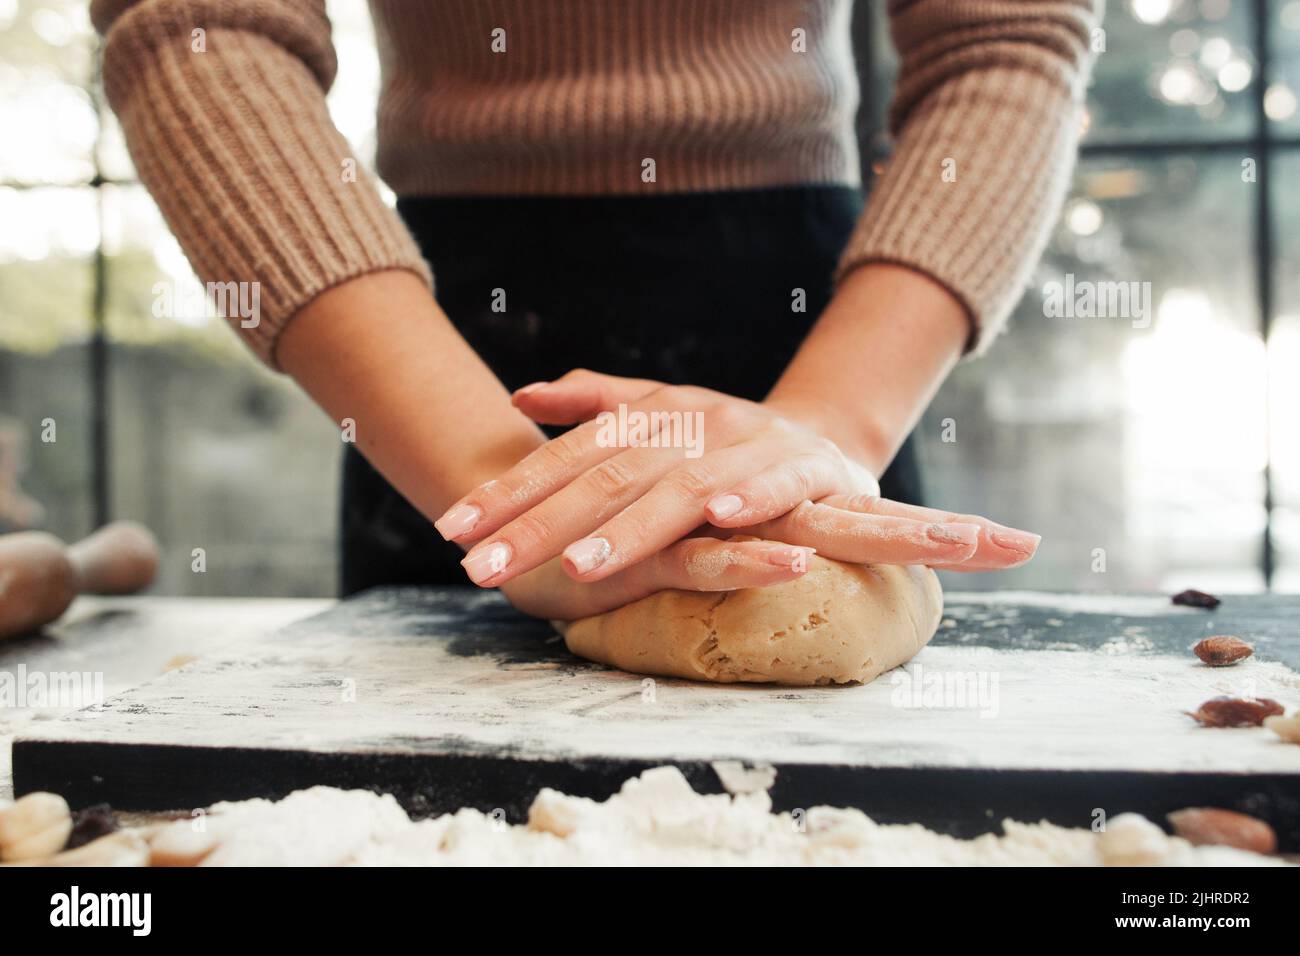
{"points": [[986, 117], [229, 131]]}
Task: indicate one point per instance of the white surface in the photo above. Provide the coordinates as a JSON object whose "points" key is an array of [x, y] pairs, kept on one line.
{"points": [[129, 641], [1112, 709]]}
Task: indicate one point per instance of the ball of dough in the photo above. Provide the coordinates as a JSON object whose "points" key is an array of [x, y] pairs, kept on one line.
{"points": [[836, 624]]}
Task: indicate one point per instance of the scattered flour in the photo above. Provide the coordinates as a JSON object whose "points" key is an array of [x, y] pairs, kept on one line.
{"points": [[655, 818]]}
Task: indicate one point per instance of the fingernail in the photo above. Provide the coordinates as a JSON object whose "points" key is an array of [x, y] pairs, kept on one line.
{"points": [[1022, 542], [796, 559], [955, 533], [724, 506], [527, 389], [458, 521], [587, 555], [487, 563]]}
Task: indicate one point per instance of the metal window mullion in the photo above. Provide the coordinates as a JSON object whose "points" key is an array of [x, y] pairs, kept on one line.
{"points": [[100, 420], [1264, 261]]}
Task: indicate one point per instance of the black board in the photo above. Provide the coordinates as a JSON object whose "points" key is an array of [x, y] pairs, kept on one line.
{"points": [[448, 698]]}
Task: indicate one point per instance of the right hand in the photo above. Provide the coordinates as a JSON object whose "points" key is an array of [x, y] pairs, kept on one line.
{"points": [[692, 564]]}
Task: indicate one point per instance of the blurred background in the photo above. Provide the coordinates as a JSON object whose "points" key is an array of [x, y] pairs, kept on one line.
{"points": [[1149, 458]]}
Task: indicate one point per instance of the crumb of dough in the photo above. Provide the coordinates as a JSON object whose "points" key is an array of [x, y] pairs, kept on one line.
{"points": [[179, 661], [657, 819]]}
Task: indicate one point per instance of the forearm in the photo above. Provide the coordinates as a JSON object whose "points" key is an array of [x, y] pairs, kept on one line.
{"points": [[874, 360], [430, 416]]}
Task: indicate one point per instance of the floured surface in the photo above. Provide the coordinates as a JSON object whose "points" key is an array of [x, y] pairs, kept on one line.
{"points": [[434, 672], [126, 641], [655, 819]]}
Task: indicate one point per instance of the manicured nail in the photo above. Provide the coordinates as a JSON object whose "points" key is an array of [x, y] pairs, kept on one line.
{"points": [[794, 558], [458, 521], [528, 389], [724, 506], [587, 555], [1022, 542], [487, 563], [954, 533]]}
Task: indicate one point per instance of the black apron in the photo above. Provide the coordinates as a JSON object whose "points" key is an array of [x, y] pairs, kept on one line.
{"points": [[687, 289]]}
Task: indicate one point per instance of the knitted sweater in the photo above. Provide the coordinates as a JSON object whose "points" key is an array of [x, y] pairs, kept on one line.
{"points": [[223, 107]]}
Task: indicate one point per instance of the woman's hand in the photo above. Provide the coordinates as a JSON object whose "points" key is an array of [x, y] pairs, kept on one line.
{"points": [[693, 564], [607, 503]]}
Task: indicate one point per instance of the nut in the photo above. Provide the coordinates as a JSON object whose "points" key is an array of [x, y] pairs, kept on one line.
{"points": [[1222, 650], [1235, 711], [91, 823], [35, 826], [1210, 826], [1288, 728], [1193, 598]]}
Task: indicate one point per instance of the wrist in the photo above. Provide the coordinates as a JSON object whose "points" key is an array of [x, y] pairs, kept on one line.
{"points": [[874, 360], [378, 351], [862, 440]]}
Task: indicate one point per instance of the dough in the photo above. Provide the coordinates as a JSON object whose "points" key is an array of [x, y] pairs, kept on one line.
{"points": [[837, 624]]}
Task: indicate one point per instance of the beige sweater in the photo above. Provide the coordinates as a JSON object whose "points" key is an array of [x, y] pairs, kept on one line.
{"points": [[229, 130]]}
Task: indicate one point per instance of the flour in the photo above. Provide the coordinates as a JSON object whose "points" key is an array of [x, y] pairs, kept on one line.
{"points": [[1137, 605], [655, 819]]}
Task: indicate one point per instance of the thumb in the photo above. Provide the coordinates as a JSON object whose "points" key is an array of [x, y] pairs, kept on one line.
{"points": [[579, 396]]}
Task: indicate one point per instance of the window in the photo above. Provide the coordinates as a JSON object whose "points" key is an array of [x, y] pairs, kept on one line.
{"points": [[1154, 457], [166, 420]]}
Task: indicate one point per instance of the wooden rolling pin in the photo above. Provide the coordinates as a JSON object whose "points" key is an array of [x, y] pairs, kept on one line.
{"points": [[40, 575]]}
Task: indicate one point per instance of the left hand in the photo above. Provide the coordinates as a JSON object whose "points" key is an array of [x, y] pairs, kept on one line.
{"points": [[607, 506]]}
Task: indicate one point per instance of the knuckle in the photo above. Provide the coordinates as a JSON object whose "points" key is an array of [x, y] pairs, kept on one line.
{"points": [[862, 502], [728, 417], [802, 478], [760, 492], [692, 484], [561, 453], [783, 428], [660, 392], [611, 478], [629, 534], [528, 531], [804, 515], [828, 449]]}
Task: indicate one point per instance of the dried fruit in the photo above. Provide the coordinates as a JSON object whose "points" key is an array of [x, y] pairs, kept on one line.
{"points": [[1222, 650], [1236, 711], [90, 824], [1193, 598], [1288, 728], [1210, 826]]}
